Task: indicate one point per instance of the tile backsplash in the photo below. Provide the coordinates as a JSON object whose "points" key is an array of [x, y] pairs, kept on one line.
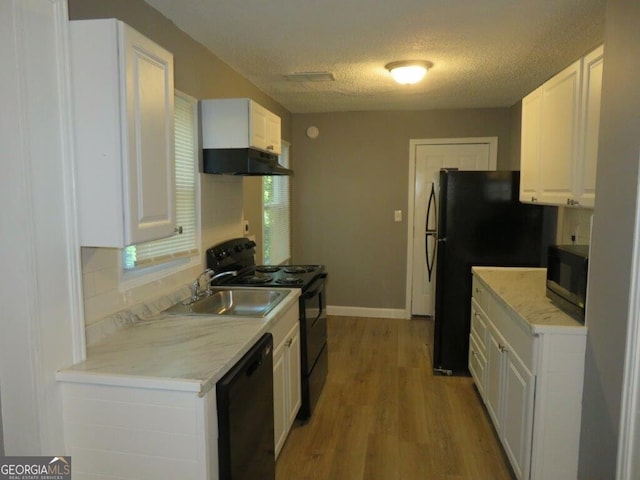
{"points": [[574, 222], [103, 295]]}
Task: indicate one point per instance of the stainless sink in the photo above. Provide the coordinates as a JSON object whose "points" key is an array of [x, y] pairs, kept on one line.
{"points": [[242, 302]]}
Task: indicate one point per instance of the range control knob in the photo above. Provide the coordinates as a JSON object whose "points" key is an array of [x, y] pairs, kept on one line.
{"points": [[250, 244], [239, 248], [220, 254]]}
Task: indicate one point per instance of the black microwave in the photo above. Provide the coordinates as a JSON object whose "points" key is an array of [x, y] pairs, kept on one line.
{"points": [[567, 267]]}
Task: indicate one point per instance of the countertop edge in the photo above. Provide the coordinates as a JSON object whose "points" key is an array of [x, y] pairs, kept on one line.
{"points": [[534, 328], [116, 380], [199, 386]]}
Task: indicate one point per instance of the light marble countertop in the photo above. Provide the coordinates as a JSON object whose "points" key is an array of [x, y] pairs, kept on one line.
{"points": [[523, 291], [188, 353]]}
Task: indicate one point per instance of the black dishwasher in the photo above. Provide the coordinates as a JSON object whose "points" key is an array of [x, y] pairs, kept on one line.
{"points": [[246, 448]]}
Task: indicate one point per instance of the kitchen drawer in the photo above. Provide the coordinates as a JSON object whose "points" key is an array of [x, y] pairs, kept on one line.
{"points": [[478, 325], [480, 294], [280, 327], [477, 364], [521, 340]]}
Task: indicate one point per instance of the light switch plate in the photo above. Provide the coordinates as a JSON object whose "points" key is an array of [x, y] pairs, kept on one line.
{"points": [[397, 215]]}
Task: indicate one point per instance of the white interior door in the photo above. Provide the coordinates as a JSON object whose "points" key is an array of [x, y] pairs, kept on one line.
{"points": [[429, 158]]}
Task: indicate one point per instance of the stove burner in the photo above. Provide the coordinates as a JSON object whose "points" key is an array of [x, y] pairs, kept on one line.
{"points": [[290, 281], [267, 269], [255, 279], [300, 269]]}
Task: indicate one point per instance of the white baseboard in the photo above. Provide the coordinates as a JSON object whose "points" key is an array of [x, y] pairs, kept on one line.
{"points": [[367, 312]]}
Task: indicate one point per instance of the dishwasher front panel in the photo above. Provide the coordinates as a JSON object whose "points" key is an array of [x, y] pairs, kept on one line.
{"points": [[246, 449]]}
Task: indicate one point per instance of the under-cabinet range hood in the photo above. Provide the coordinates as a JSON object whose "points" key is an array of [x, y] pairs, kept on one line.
{"points": [[241, 161]]}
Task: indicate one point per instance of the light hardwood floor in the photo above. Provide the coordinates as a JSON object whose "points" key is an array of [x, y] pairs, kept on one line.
{"points": [[383, 415]]}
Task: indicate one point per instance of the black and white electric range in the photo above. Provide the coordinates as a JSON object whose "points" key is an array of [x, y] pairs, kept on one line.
{"points": [[238, 255]]}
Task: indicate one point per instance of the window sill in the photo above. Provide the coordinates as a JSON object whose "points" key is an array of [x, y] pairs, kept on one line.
{"points": [[131, 279]]}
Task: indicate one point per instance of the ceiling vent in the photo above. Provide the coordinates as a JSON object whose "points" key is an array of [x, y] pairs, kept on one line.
{"points": [[310, 77]]}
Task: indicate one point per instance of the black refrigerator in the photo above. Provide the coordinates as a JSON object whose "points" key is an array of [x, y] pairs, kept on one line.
{"points": [[480, 223]]}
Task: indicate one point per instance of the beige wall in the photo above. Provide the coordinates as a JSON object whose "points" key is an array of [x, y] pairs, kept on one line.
{"points": [[349, 181], [200, 74], [612, 242]]}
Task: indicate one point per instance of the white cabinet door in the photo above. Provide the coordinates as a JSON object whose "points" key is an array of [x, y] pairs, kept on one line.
{"points": [[287, 395], [265, 129], [560, 124], [590, 126], [150, 200], [258, 131], [559, 128], [280, 393], [274, 133], [123, 118], [295, 381], [530, 146], [519, 389], [239, 123]]}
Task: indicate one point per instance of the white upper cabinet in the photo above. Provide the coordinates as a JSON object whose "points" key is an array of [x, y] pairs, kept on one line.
{"points": [[239, 123], [530, 155], [124, 135], [589, 128], [560, 123], [558, 142]]}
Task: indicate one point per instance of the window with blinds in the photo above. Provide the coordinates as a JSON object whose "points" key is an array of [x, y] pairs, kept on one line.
{"points": [[275, 222], [185, 245]]}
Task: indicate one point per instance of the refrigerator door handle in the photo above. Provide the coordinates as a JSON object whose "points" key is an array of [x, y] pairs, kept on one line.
{"points": [[430, 232], [431, 203], [430, 258]]}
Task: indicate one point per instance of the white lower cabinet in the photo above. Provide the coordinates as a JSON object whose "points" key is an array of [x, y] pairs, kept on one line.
{"points": [[530, 380], [287, 396], [518, 388], [130, 432], [286, 385], [114, 428]]}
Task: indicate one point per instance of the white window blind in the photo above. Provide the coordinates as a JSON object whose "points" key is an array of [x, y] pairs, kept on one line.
{"points": [[184, 245], [275, 224]]}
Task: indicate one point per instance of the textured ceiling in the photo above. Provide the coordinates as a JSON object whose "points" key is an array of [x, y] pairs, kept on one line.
{"points": [[485, 53]]}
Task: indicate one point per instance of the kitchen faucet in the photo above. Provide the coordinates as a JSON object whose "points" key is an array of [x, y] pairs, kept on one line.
{"points": [[209, 276], [231, 273], [195, 286]]}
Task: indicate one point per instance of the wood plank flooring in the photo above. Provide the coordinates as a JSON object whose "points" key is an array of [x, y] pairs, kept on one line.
{"points": [[383, 415]]}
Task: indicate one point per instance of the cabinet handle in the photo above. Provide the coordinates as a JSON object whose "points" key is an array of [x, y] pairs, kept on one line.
{"points": [[534, 199], [289, 342], [502, 348], [178, 230], [270, 147]]}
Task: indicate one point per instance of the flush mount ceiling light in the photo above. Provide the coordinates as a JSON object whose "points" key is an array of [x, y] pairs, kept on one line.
{"points": [[408, 72]]}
